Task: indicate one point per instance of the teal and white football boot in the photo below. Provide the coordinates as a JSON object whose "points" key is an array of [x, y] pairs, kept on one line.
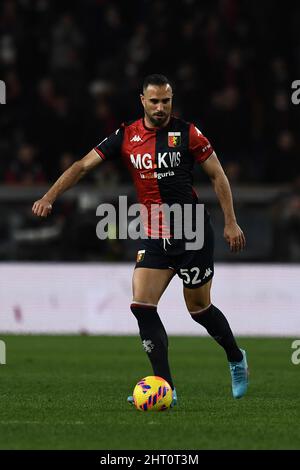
{"points": [[239, 376]]}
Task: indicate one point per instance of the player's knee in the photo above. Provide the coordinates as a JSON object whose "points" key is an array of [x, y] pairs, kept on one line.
{"points": [[198, 307], [138, 305], [145, 313]]}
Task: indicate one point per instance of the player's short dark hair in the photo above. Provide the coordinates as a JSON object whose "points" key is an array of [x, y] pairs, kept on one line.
{"points": [[155, 79]]}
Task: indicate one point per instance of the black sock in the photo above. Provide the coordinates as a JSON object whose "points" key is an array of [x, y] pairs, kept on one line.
{"points": [[218, 327], [154, 339]]}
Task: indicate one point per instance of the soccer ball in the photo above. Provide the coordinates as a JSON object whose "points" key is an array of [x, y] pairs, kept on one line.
{"points": [[152, 393]]}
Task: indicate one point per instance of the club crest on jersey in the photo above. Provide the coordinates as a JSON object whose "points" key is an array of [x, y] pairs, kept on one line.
{"points": [[140, 256], [174, 139]]}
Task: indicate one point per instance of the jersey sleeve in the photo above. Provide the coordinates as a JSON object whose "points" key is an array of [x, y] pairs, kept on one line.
{"points": [[199, 145], [111, 145]]}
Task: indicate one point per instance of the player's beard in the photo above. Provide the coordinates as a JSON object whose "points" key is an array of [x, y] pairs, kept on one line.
{"points": [[158, 121]]}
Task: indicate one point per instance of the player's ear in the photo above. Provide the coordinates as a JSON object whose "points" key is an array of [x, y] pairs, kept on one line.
{"points": [[142, 98]]}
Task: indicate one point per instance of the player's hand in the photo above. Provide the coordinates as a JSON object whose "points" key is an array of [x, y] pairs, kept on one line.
{"points": [[42, 208], [233, 234]]}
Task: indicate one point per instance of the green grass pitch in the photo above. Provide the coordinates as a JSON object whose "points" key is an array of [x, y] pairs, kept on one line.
{"points": [[69, 392]]}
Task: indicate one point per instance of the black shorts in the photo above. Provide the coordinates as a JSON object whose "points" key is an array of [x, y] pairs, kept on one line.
{"points": [[194, 267]]}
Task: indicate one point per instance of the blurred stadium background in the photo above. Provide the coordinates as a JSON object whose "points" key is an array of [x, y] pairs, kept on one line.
{"points": [[73, 72]]}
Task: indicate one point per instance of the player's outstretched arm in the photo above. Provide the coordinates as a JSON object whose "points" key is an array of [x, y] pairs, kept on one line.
{"points": [[69, 178], [232, 232]]}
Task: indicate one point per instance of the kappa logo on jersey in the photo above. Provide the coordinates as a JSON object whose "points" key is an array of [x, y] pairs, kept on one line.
{"points": [[136, 138], [164, 160], [174, 139], [206, 148]]}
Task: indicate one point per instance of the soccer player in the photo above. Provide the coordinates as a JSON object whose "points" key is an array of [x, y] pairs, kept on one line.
{"points": [[160, 151]]}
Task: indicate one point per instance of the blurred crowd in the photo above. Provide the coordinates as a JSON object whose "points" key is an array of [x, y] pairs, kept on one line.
{"points": [[73, 71]]}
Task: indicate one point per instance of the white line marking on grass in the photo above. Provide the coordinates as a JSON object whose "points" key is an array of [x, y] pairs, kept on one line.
{"points": [[69, 423]]}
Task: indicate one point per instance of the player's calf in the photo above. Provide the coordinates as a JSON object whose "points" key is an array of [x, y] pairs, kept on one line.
{"points": [[218, 327], [154, 339]]}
